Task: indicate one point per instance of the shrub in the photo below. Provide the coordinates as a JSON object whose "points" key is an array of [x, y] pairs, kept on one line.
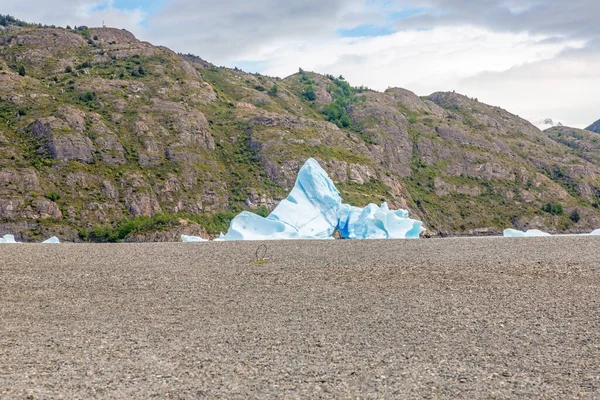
{"points": [[309, 93], [53, 196], [22, 70], [553, 208], [83, 65], [263, 211], [274, 90], [574, 216], [139, 71], [69, 69]]}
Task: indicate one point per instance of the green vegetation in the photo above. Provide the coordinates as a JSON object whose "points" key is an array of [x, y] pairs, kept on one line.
{"points": [[126, 227], [22, 70], [359, 195], [553, 208], [6, 20], [344, 96], [309, 93], [53, 196]]}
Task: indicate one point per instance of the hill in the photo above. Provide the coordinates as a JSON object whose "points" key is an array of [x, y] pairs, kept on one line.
{"points": [[104, 137], [595, 127]]}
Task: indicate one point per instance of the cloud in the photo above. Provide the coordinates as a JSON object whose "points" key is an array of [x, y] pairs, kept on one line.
{"points": [[232, 29], [77, 12], [423, 61], [563, 88], [571, 19]]}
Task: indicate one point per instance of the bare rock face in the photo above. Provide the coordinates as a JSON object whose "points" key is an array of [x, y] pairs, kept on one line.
{"points": [[74, 117], [255, 200], [9, 208], [46, 209], [23, 180], [192, 127], [142, 204], [139, 198], [56, 137]]}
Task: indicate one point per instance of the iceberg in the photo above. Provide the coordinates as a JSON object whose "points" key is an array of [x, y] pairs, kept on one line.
{"points": [[52, 240], [314, 210], [595, 233], [529, 233], [192, 239], [374, 222], [8, 239]]}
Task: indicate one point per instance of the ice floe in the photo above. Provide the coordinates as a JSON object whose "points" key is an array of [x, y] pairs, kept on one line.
{"points": [[8, 239], [529, 233], [192, 239]]}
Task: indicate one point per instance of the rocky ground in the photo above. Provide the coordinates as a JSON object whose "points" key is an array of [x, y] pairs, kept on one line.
{"points": [[443, 318]]}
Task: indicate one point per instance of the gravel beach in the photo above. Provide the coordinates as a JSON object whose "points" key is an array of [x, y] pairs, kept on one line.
{"points": [[440, 318]]}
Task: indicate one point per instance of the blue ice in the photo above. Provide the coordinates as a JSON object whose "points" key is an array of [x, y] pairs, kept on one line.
{"points": [[314, 210]]}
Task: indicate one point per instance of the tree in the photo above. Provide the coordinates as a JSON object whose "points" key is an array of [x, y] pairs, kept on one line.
{"points": [[309, 93], [22, 70]]}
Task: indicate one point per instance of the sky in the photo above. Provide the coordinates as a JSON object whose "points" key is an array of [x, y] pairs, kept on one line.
{"points": [[537, 59]]}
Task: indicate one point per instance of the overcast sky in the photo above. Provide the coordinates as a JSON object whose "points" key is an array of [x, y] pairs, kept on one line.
{"points": [[535, 58]]}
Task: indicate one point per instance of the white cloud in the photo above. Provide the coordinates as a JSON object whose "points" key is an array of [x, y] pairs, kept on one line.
{"points": [[422, 61], [564, 88], [76, 12]]}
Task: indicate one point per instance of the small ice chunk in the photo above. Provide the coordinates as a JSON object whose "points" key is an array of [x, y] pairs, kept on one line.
{"points": [[192, 239], [8, 239], [529, 233], [595, 233], [52, 240]]}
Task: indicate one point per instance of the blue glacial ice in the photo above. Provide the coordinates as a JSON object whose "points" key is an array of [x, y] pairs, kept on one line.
{"points": [[529, 233], [52, 240], [374, 222], [314, 210], [7, 239]]}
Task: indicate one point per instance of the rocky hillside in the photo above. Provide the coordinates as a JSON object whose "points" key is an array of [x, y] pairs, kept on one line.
{"points": [[104, 137], [595, 127]]}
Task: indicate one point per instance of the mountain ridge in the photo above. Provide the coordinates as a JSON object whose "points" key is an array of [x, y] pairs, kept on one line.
{"points": [[109, 138], [595, 127]]}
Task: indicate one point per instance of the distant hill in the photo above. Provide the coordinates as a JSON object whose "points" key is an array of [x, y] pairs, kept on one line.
{"points": [[104, 137], [595, 127]]}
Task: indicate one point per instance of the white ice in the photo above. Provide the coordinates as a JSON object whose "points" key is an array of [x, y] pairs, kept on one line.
{"points": [[8, 239], [374, 222], [314, 210], [52, 240], [192, 239], [529, 233]]}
